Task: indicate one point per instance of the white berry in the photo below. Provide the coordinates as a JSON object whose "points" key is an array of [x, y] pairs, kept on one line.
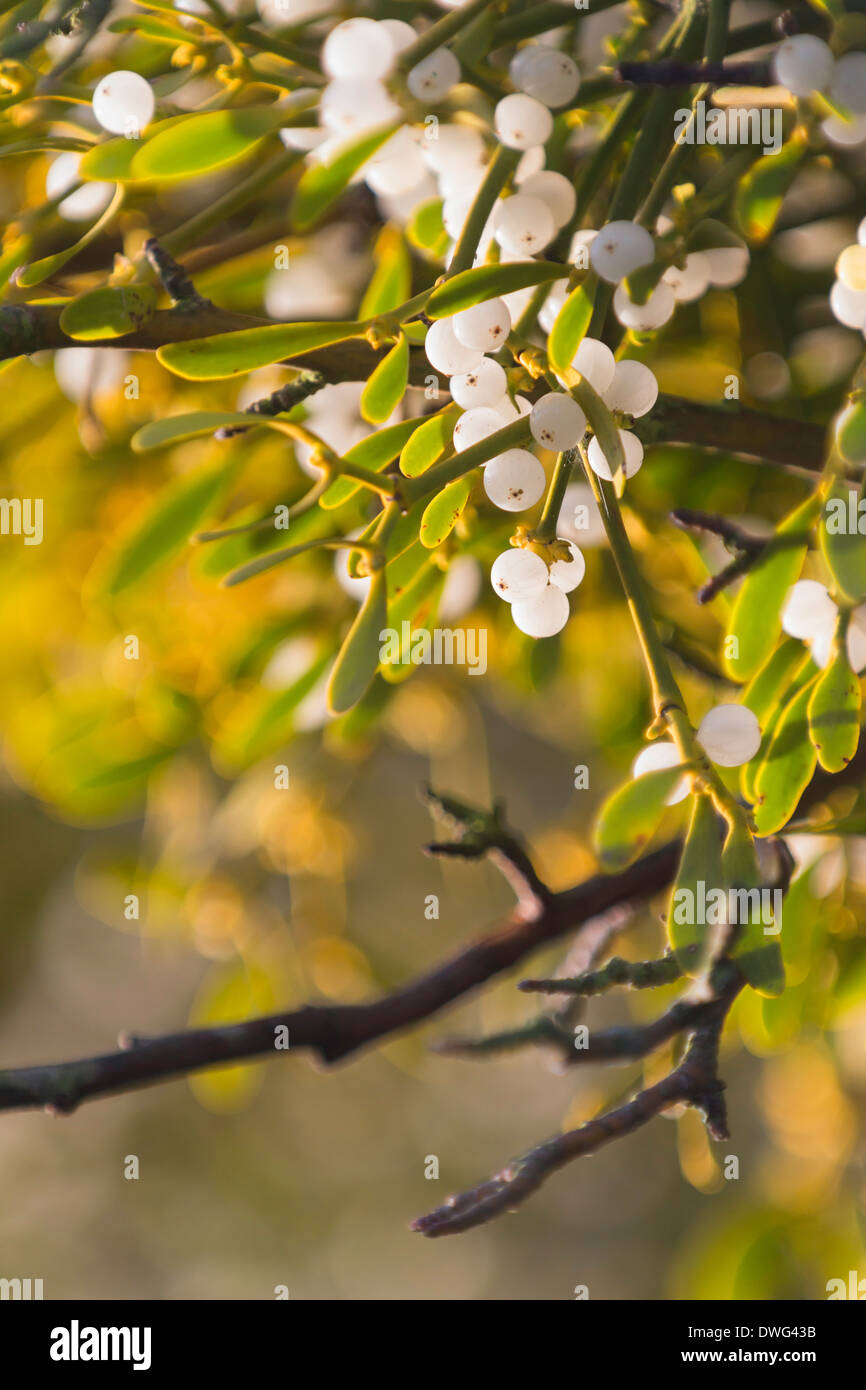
{"points": [[729, 734], [514, 480], [475, 425], [634, 389], [851, 268], [848, 306], [557, 421], [123, 103], [595, 361], [486, 384], [358, 46], [546, 74], [445, 353], [689, 282], [619, 249], [435, 75], [654, 758], [808, 610], [644, 318], [543, 616], [523, 225], [802, 64], [633, 456], [568, 574], [848, 83], [553, 189], [518, 574], [727, 265], [521, 121], [484, 326]]}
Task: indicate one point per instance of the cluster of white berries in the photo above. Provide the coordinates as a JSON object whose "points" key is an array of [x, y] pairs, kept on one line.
{"points": [[123, 103], [810, 614], [848, 295], [805, 64]]}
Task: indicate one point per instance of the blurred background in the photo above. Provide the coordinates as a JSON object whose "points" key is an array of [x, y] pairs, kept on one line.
{"points": [[153, 873]]}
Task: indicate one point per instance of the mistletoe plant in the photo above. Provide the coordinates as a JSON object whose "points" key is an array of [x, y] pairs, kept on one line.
{"points": [[534, 228]]}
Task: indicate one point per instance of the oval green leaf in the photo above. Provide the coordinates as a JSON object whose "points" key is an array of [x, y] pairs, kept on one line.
{"points": [[843, 543], [630, 817], [387, 385], [788, 766], [392, 279], [428, 443], [489, 282], [571, 324], [110, 312], [321, 184], [442, 514], [834, 714], [374, 452], [358, 658], [198, 144], [231, 354], [761, 192], [699, 878], [755, 950]]}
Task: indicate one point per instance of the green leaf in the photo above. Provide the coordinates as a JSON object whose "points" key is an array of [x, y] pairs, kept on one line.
{"points": [[358, 657], [755, 622], [321, 184], [489, 282], [442, 514], [699, 875], [802, 672], [109, 312], [374, 452], [111, 161], [178, 427], [387, 385], [177, 513], [630, 817], [788, 766], [426, 230], [843, 544], [851, 432], [834, 714], [768, 684], [200, 143], [428, 442], [417, 605], [230, 354], [757, 953], [392, 279], [571, 324], [762, 190]]}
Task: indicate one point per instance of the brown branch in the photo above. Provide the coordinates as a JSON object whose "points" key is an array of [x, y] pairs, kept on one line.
{"points": [[795, 444], [334, 1032], [669, 73], [693, 1082]]}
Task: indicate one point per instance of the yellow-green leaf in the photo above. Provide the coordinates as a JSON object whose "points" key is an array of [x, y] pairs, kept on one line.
{"points": [[851, 432], [442, 514], [391, 283], [109, 312], [490, 282], [203, 142], [834, 714], [788, 765], [426, 230], [428, 442], [764, 689], [179, 427], [630, 817], [843, 543], [387, 384], [321, 184], [571, 324], [755, 622], [231, 354], [698, 877], [375, 452], [762, 190], [111, 161], [755, 950], [358, 657]]}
